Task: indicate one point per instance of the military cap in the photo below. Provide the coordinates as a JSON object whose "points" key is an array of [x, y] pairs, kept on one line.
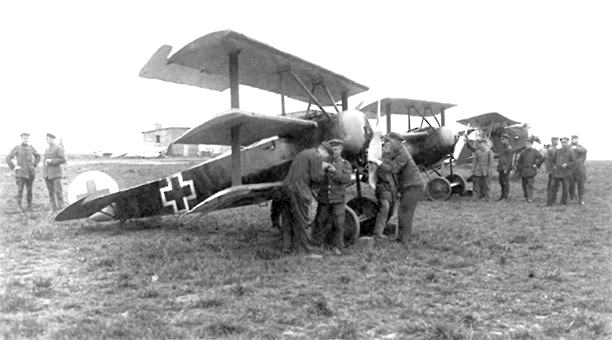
{"points": [[327, 147], [564, 138], [395, 136], [50, 135], [574, 137], [554, 138], [529, 140], [336, 142], [505, 136], [24, 134]]}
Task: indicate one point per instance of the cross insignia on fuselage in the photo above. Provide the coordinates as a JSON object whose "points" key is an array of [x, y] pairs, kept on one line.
{"points": [[177, 193]]}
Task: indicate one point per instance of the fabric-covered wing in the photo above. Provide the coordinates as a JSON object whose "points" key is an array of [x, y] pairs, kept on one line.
{"points": [[85, 207], [238, 196], [405, 106], [204, 63], [254, 127], [486, 120]]}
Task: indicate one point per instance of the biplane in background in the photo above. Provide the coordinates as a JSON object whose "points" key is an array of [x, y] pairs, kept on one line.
{"points": [[491, 126], [431, 143], [262, 146]]}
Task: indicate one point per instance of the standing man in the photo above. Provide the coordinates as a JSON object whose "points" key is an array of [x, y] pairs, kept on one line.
{"points": [[52, 172], [550, 155], [331, 199], [578, 171], [527, 165], [25, 170], [306, 170], [505, 165], [386, 193], [482, 167], [409, 182], [562, 170]]}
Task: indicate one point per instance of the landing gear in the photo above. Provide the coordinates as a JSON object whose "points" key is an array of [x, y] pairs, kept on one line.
{"points": [[351, 227], [441, 188]]}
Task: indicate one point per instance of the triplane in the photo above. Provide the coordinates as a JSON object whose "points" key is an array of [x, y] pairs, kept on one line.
{"points": [[262, 146]]}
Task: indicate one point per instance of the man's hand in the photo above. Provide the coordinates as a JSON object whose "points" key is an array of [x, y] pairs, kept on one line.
{"points": [[326, 165], [48, 161], [374, 160]]}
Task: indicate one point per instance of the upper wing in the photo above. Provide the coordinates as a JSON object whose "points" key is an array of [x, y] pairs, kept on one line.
{"points": [[404, 106], [239, 195], [257, 127], [485, 120], [204, 63]]}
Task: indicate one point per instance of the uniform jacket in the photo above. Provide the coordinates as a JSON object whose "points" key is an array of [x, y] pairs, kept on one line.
{"points": [[563, 156], [305, 172], [53, 167], [27, 160], [581, 154], [401, 164], [505, 158], [334, 184], [483, 163], [528, 162]]}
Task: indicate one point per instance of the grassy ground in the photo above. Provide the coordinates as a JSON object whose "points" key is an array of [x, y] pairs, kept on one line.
{"points": [[508, 270]]}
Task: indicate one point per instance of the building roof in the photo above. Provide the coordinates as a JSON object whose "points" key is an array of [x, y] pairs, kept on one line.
{"points": [[168, 128]]}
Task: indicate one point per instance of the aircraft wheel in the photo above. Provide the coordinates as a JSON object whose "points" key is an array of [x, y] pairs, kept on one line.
{"points": [[458, 184], [438, 189], [366, 209], [351, 227]]}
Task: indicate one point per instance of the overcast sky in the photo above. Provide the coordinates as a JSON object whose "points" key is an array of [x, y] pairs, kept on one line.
{"points": [[71, 67]]}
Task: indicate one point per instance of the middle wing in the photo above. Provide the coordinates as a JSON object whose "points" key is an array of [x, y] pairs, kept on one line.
{"points": [[486, 120], [257, 127], [238, 196]]}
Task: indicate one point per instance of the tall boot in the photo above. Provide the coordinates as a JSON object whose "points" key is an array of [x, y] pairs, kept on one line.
{"points": [[29, 204], [52, 203], [19, 203]]}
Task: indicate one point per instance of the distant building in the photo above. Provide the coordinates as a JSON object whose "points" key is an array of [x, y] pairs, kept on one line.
{"points": [[162, 137]]}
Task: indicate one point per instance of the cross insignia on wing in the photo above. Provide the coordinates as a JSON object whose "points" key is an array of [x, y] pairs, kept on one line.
{"points": [[177, 193]]}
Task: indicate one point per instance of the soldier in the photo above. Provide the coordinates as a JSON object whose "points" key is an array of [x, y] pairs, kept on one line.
{"points": [[25, 170], [409, 182], [527, 165], [482, 167], [550, 155], [579, 176], [505, 165], [306, 169], [386, 193], [562, 170], [331, 199], [52, 172]]}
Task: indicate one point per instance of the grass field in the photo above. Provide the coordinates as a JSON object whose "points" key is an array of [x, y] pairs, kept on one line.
{"points": [[475, 270]]}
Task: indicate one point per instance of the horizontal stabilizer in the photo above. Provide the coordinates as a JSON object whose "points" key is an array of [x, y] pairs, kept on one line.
{"points": [[238, 196], [256, 127]]}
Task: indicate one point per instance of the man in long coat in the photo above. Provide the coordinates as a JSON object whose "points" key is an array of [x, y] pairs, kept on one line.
{"points": [[505, 164], [579, 175], [562, 170], [25, 168], [527, 165], [52, 172], [482, 168]]}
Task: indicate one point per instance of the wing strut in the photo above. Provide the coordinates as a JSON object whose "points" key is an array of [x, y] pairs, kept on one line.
{"points": [[310, 95], [235, 130]]}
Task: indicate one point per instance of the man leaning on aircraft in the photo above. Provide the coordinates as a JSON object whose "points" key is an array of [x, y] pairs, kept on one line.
{"points": [[307, 168], [25, 170], [409, 182]]}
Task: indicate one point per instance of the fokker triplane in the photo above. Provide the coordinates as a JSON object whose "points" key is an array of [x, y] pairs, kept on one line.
{"points": [[262, 146]]}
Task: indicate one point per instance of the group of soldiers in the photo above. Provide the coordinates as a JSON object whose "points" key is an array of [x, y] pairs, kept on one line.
{"points": [[323, 170], [565, 166], [23, 160]]}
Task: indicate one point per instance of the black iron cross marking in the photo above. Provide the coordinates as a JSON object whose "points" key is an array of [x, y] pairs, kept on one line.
{"points": [[93, 191], [177, 193]]}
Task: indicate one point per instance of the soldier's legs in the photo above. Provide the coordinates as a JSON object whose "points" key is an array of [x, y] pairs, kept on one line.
{"points": [[21, 182], [339, 219], [552, 190], [524, 186], [320, 225], [382, 216], [476, 187], [549, 181], [50, 188], [59, 196], [286, 221], [301, 229], [504, 183], [276, 209], [28, 184], [572, 186], [580, 184], [408, 202], [486, 185], [530, 188], [565, 184]]}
